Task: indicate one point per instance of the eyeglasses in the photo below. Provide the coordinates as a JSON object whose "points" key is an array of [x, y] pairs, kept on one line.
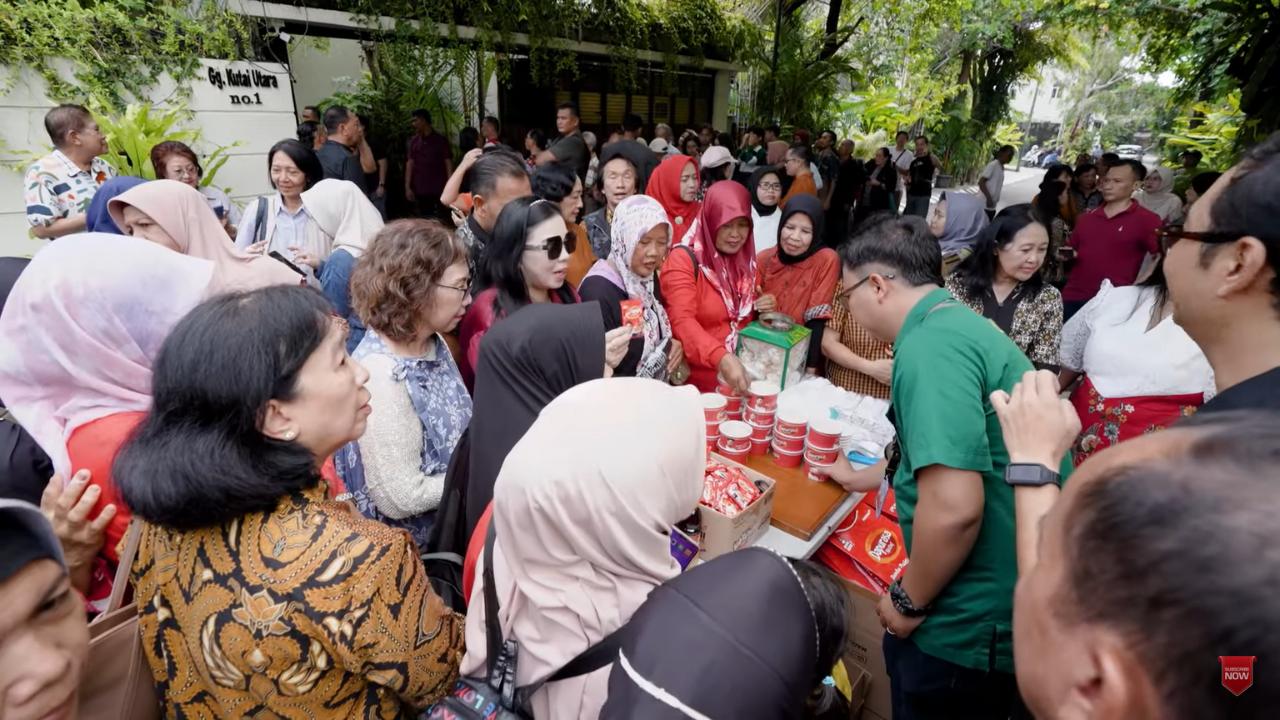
{"points": [[771, 187], [556, 245], [1170, 234], [464, 288], [843, 295]]}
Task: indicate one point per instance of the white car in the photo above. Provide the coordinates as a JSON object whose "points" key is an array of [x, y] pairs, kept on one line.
{"points": [[1129, 152]]}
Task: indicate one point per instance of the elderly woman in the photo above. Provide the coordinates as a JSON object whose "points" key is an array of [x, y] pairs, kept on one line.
{"points": [[618, 180], [709, 287], [174, 216], [957, 221], [798, 277], [411, 287], [175, 160], [641, 234], [1002, 281], [1157, 195], [581, 530], [301, 607], [279, 219]]}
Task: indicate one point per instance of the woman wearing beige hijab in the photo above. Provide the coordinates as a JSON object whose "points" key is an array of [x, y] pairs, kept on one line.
{"points": [[174, 215], [347, 222], [582, 528]]}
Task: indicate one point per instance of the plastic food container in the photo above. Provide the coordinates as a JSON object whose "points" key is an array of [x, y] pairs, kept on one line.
{"points": [[759, 417], [824, 434], [760, 432], [735, 436], [788, 444], [790, 422], [714, 406], [772, 354], [816, 456], [736, 456], [764, 396], [786, 459]]}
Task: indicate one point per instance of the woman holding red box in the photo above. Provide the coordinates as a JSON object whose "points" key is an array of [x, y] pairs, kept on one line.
{"points": [[708, 287]]}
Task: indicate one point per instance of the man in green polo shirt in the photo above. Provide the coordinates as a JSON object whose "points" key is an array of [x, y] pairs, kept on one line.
{"points": [[949, 621]]}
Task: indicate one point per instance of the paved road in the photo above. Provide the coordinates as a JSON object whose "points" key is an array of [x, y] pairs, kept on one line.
{"points": [[1020, 187]]}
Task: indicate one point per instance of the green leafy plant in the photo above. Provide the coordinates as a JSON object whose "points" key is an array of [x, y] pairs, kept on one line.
{"points": [[1214, 129], [131, 135]]}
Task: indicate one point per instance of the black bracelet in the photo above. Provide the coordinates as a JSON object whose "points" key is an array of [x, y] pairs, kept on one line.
{"points": [[902, 602]]}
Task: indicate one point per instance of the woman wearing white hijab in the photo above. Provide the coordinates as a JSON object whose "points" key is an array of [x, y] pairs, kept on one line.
{"points": [[347, 221], [1158, 197], [582, 529], [640, 238]]}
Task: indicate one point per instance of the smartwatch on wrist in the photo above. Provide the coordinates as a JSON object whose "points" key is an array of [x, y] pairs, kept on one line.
{"points": [[1029, 475], [902, 602]]}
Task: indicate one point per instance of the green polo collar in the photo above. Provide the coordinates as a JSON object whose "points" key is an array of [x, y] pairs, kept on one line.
{"points": [[920, 312]]}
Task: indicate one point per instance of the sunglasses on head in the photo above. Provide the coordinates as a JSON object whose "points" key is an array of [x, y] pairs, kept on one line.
{"points": [[1170, 234], [556, 245]]}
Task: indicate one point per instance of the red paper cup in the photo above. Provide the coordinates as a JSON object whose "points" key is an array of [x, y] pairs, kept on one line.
{"points": [[786, 444], [738, 457], [816, 456], [714, 407], [824, 434], [786, 459], [733, 446], [791, 423], [733, 415], [713, 428], [760, 432], [764, 395], [726, 391], [735, 430], [759, 417], [759, 447]]}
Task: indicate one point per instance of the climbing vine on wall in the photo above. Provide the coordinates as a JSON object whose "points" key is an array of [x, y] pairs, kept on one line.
{"points": [[115, 49]]}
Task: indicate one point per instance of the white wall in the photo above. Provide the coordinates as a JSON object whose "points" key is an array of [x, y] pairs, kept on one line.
{"points": [[1048, 108], [214, 112], [315, 71]]}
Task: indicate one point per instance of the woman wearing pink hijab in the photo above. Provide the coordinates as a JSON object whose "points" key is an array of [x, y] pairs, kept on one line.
{"points": [[582, 529], [80, 330], [176, 216]]}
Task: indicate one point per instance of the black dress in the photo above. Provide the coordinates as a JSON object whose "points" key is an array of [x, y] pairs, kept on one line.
{"points": [[610, 297]]}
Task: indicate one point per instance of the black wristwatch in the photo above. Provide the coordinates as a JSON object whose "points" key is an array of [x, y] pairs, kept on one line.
{"points": [[902, 602], [1030, 475]]}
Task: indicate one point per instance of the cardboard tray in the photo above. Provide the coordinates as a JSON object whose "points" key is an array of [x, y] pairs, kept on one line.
{"points": [[722, 534], [801, 505]]}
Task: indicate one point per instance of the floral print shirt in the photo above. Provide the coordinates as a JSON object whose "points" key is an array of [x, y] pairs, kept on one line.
{"points": [[305, 611], [1036, 319], [55, 188]]}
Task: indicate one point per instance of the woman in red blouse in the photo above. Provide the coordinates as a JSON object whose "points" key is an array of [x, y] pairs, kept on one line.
{"points": [[708, 287]]}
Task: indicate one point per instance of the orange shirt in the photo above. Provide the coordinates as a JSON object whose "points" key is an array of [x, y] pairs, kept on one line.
{"points": [[801, 184]]}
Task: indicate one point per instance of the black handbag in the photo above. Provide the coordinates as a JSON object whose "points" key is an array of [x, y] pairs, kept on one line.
{"points": [[496, 696]]}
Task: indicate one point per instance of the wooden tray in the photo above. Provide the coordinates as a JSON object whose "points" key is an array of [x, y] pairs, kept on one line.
{"points": [[800, 505]]}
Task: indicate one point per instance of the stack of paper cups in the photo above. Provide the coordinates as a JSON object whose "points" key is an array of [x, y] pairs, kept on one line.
{"points": [[821, 445], [789, 438]]}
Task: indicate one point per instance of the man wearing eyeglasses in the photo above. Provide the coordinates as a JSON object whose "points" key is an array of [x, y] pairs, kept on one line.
{"points": [[1111, 242], [948, 620], [1221, 270]]}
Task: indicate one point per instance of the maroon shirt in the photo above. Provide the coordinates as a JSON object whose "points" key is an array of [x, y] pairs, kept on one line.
{"points": [[1110, 248], [428, 155]]}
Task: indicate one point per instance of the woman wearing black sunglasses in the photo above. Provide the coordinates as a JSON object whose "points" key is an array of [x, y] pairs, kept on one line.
{"points": [[527, 259]]}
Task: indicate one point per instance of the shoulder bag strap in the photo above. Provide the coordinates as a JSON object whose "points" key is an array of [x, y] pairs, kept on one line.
{"points": [[132, 538], [588, 661], [493, 629], [693, 258], [260, 219]]}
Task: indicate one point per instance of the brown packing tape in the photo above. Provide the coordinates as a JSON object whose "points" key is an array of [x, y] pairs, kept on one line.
{"points": [[863, 648]]}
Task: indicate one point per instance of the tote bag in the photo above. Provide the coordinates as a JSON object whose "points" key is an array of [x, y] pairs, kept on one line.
{"points": [[117, 683]]}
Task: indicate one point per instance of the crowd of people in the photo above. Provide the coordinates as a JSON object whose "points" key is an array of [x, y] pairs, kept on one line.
{"points": [[273, 428]]}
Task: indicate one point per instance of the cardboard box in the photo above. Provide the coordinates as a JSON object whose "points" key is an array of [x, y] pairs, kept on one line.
{"points": [[863, 649], [874, 543], [722, 534]]}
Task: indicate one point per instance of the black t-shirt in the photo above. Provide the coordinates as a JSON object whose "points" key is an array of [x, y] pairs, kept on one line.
{"points": [[609, 296], [571, 153], [849, 181], [379, 150], [340, 163], [1260, 392], [921, 174]]}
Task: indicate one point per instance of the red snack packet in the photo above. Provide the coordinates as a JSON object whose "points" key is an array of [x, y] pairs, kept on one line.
{"points": [[727, 490], [633, 316]]}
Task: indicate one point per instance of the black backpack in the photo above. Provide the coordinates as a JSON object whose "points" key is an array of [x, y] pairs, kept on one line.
{"points": [[497, 696]]}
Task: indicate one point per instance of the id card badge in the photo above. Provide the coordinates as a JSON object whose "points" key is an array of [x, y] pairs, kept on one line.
{"points": [[882, 493]]}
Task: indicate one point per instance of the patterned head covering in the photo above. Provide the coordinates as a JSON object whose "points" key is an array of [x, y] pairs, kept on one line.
{"points": [[733, 276], [632, 219]]}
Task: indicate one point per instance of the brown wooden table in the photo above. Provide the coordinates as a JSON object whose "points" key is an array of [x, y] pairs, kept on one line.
{"points": [[800, 505]]}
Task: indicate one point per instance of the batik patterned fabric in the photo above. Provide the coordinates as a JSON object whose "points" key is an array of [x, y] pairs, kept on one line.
{"points": [[1109, 421], [54, 188], [306, 611]]}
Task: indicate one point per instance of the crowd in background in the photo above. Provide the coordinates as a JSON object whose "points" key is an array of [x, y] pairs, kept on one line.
{"points": [[271, 424]]}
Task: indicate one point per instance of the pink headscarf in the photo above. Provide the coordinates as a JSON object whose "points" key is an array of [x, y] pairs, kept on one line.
{"points": [[82, 326], [183, 213], [733, 276], [777, 152], [582, 528]]}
